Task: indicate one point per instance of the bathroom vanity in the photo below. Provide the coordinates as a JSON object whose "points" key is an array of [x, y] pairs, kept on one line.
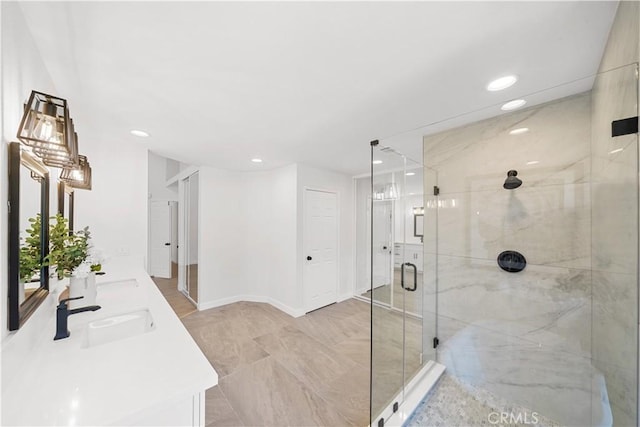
{"points": [[130, 363]]}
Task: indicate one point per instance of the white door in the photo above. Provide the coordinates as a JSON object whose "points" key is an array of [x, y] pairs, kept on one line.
{"points": [[382, 242], [321, 249], [160, 239]]}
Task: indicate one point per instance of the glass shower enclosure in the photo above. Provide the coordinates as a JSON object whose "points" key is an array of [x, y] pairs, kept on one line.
{"points": [[403, 314], [527, 294]]}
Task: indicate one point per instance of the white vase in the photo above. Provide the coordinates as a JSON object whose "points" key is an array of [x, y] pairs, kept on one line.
{"points": [[83, 287]]}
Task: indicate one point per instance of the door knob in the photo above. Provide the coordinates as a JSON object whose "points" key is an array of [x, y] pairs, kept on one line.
{"points": [[167, 244], [309, 258]]}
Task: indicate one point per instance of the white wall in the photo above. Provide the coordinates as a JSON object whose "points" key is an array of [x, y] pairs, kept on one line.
{"points": [[222, 271], [320, 179], [159, 170], [22, 72], [172, 168], [270, 203], [251, 235], [116, 208]]}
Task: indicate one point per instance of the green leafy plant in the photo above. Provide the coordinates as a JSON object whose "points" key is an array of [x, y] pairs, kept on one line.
{"points": [[30, 256], [67, 251]]}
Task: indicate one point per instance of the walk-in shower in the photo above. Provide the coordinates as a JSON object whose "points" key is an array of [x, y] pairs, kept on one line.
{"points": [[527, 297]]}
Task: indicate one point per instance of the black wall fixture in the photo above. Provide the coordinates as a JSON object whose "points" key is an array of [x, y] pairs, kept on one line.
{"points": [[512, 182], [624, 127], [512, 261]]}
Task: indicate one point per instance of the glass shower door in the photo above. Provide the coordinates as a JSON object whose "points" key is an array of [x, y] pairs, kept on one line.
{"points": [[397, 285]]}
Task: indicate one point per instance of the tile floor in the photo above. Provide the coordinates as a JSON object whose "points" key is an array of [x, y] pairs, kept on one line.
{"points": [[313, 370], [180, 304], [277, 370]]}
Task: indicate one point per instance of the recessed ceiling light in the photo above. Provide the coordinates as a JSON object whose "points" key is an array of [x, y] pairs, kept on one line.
{"points": [[617, 150], [140, 133], [501, 83], [410, 173], [256, 160], [533, 162], [377, 162], [519, 131], [512, 105]]}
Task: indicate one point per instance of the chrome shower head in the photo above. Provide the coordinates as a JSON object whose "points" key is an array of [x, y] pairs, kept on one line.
{"points": [[512, 182]]}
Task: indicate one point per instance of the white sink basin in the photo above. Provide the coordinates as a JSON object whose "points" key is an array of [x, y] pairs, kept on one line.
{"points": [[118, 327]]}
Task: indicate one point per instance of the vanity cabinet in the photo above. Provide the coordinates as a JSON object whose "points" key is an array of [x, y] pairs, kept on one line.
{"points": [[183, 411], [157, 377], [413, 253]]}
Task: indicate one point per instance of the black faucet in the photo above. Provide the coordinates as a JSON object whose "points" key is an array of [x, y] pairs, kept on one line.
{"points": [[63, 313]]}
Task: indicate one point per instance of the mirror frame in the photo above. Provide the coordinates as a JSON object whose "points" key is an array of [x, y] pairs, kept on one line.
{"points": [[65, 190], [415, 225], [19, 313]]}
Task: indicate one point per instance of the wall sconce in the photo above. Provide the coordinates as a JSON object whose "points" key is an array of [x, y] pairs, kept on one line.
{"points": [[61, 159], [386, 192], [46, 128], [78, 177]]}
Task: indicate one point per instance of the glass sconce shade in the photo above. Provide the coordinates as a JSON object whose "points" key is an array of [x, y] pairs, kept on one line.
{"points": [[78, 177], [59, 158], [47, 128], [387, 192]]}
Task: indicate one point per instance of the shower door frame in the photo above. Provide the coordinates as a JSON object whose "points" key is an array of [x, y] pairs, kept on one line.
{"points": [[414, 385]]}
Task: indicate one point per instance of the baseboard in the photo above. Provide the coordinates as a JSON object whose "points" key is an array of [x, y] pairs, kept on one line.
{"points": [[219, 302], [251, 298], [283, 307], [345, 297]]}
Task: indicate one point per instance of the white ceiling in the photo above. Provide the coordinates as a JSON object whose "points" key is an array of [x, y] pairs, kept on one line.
{"points": [[217, 83]]}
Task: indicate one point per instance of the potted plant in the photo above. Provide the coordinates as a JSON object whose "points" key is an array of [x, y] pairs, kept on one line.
{"points": [[71, 255], [30, 256]]}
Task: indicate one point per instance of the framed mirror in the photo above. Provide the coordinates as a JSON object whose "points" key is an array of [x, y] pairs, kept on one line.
{"points": [[65, 202], [28, 235], [418, 221]]}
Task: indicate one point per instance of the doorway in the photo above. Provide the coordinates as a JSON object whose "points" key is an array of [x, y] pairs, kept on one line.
{"points": [[188, 247], [162, 240], [320, 249]]}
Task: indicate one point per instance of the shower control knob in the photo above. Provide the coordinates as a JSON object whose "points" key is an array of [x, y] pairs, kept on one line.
{"points": [[309, 258]]}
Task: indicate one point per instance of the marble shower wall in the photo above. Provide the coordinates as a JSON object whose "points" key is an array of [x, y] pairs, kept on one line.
{"points": [[518, 334], [615, 217], [615, 241]]}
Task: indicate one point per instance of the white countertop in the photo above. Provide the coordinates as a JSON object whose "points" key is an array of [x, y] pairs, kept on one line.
{"points": [[64, 383]]}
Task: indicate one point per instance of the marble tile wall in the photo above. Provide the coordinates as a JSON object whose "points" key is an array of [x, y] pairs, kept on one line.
{"points": [[517, 335], [615, 217], [614, 241]]}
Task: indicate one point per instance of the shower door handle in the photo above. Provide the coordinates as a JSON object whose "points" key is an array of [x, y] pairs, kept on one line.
{"points": [[415, 276], [402, 276]]}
